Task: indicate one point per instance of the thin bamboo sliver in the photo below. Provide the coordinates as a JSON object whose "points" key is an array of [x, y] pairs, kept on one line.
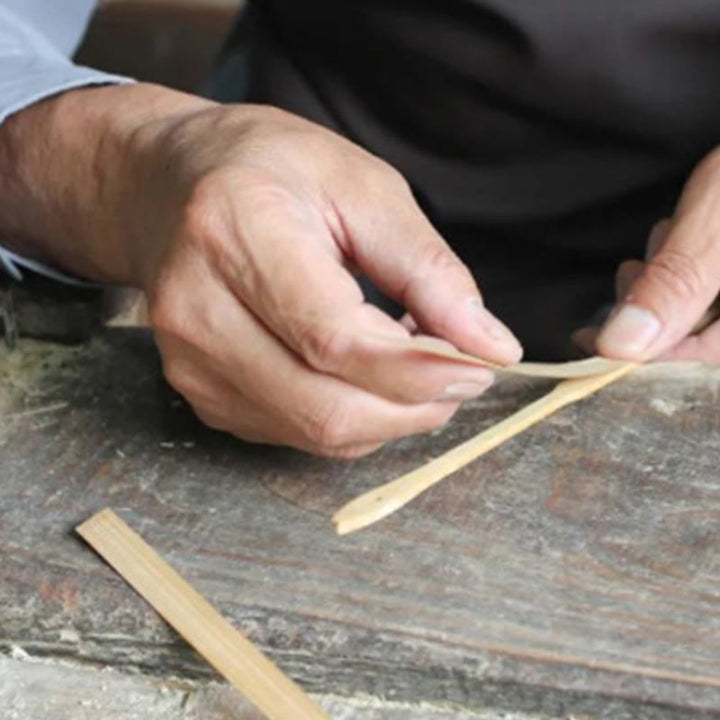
{"points": [[386, 499], [224, 647], [558, 371]]}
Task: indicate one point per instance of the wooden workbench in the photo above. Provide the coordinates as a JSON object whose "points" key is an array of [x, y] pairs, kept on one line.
{"points": [[574, 572]]}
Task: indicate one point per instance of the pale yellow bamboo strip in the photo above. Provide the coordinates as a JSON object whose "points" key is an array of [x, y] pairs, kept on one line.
{"points": [[385, 500], [224, 647], [558, 371]]}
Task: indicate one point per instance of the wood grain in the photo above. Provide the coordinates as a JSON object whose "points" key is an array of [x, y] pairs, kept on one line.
{"points": [[575, 570], [227, 650]]}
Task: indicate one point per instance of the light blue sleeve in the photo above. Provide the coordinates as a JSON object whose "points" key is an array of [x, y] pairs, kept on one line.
{"points": [[37, 38]]}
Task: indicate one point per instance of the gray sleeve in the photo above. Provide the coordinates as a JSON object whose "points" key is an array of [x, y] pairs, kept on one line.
{"points": [[36, 38]]}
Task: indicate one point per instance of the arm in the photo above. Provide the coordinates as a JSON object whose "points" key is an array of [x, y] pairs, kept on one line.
{"points": [[242, 224], [36, 36]]}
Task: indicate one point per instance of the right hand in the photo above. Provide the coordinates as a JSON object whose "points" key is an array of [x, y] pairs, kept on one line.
{"points": [[245, 225]]}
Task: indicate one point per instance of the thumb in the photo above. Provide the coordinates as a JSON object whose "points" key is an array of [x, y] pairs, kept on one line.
{"points": [[675, 288], [397, 247]]}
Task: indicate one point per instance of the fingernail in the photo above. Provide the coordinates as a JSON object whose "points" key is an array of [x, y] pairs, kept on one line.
{"points": [[465, 390], [630, 331], [492, 327]]}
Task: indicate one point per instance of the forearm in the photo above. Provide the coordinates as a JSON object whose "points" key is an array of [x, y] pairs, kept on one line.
{"points": [[69, 172]]}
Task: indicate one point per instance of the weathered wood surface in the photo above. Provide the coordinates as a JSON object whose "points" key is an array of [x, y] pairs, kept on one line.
{"points": [[32, 690], [574, 570]]}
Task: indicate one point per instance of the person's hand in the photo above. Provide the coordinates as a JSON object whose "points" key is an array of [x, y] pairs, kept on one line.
{"points": [[664, 303], [245, 226]]}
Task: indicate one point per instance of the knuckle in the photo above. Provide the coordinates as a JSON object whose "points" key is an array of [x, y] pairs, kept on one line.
{"points": [[434, 261], [676, 273], [437, 258], [217, 414], [211, 419], [381, 177], [166, 316], [393, 178], [199, 218], [180, 378], [324, 347], [329, 427], [438, 261]]}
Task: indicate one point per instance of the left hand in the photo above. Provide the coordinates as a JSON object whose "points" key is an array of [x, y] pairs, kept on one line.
{"points": [[662, 300]]}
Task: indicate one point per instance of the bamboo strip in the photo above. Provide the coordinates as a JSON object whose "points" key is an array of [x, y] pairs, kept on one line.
{"points": [[559, 371], [386, 499], [226, 649]]}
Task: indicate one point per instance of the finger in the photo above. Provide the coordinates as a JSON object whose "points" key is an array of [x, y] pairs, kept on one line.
{"points": [[703, 347], [218, 403], [263, 430], [675, 288], [286, 273], [657, 238], [703, 344], [627, 273], [354, 452], [585, 339], [409, 323], [326, 414], [398, 248], [406, 376], [290, 402]]}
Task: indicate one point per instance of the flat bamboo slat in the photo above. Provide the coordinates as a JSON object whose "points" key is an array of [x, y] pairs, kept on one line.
{"points": [[224, 647]]}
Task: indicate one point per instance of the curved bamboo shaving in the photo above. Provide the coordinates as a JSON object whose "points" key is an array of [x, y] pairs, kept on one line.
{"points": [[559, 371], [385, 500]]}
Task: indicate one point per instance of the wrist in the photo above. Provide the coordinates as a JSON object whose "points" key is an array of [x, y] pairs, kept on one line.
{"points": [[74, 175]]}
